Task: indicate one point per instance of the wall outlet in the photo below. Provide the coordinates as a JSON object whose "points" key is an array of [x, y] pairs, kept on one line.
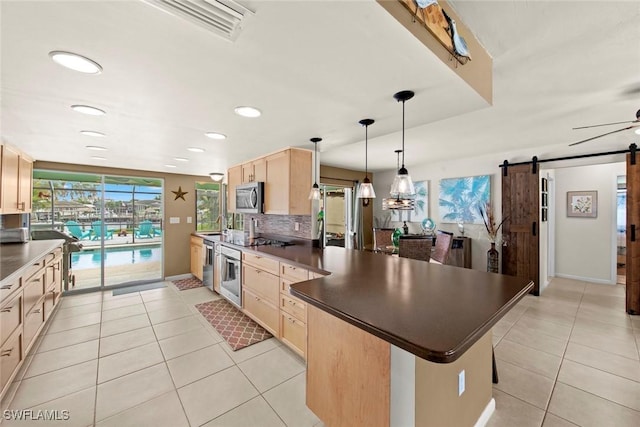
{"points": [[461, 383], [189, 220], [296, 226]]}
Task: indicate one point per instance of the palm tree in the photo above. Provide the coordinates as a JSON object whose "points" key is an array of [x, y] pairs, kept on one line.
{"points": [[461, 198]]}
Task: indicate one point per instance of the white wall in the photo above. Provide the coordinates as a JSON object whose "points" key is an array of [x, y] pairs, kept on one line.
{"points": [[585, 247]]}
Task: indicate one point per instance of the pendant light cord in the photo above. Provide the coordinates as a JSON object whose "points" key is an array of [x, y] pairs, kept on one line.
{"points": [[403, 133], [366, 150]]}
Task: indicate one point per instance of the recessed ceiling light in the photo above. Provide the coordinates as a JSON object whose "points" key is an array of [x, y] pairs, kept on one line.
{"points": [[96, 148], [98, 158], [169, 166], [637, 131], [196, 149], [93, 133], [85, 109], [180, 159], [247, 111], [75, 62], [216, 135]]}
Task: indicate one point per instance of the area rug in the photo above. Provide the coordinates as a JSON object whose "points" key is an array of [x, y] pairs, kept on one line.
{"points": [[185, 284], [238, 330]]}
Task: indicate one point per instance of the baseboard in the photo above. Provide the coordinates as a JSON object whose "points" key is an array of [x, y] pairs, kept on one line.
{"points": [[179, 277], [585, 279], [486, 414]]}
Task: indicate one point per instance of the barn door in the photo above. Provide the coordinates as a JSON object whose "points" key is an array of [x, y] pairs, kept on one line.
{"points": [[633, 234], [520, 231]]}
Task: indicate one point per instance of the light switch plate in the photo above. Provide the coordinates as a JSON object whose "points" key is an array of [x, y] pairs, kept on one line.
{"points": [[174, 220], [189, 220]]}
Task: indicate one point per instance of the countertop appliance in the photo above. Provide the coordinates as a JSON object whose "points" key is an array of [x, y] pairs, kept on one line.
{"points": [[250, 198], [14, 235], [208, 268], [231, 275]]}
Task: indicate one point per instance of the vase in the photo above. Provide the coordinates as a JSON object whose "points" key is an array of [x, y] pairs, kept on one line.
{"points": [[492, 259], [395, 237]]}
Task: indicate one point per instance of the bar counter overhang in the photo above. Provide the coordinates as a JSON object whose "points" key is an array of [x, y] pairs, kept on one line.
{"points": [[389, 340]]}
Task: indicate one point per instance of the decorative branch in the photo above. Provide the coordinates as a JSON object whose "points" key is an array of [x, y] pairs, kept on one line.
{"points": [[489, 218]]}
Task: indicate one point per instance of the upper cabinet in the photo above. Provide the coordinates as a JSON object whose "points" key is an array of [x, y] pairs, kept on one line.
{"points": [[255, 171], [288, 183], [234, 178], [16, 181], [287, 178]]}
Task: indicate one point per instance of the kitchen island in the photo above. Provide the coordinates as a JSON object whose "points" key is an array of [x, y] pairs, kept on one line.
{"points": [[400, 342]]}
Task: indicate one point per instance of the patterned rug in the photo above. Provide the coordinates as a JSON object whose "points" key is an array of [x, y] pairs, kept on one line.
{"points": [[185, 284], [238, 330]]}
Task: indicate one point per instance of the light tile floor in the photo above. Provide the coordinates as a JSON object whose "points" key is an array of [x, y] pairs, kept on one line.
{"points": [[569, 357]]}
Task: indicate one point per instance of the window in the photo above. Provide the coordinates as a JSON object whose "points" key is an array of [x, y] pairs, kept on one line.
{"points": [[208, 206]]}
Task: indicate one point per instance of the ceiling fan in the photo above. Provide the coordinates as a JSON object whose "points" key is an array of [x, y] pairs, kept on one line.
{"points": [[634, 123]]}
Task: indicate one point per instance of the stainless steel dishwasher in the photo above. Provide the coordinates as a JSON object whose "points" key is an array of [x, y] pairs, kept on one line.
{"points": [[231, 274]]}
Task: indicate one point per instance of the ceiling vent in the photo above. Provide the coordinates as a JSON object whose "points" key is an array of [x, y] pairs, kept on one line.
{"points": [[225, 18]]}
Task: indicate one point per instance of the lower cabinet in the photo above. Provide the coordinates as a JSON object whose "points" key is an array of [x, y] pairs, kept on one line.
{"points": [[294, 333], [25, 305], [261, 310]]}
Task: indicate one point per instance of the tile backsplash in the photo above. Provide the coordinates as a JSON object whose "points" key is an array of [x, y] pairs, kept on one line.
{"points": [[284, 225]]}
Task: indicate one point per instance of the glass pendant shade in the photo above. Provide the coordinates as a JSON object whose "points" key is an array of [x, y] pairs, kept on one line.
{"points": [[314, 194], [365, 190], [403, 185]]}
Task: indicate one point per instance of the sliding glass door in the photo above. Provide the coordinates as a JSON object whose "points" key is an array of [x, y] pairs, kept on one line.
{"points": [[118, 221]]}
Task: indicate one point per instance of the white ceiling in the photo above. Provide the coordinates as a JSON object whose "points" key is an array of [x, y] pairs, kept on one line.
{"points": [[314, 68]]}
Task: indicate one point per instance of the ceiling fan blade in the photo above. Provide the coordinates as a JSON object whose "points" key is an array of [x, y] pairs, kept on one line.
{"points": [[600, 136], [606, 124]]}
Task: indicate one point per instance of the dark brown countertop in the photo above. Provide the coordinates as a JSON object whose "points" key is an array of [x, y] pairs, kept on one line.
{"points": [[434, 311], [14, 257]]}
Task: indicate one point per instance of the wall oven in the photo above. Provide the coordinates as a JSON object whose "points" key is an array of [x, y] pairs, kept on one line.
{"points": [[231, 275], [250, 198]]}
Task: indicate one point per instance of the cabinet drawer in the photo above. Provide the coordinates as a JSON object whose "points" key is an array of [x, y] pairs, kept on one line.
{"points": [[9, 288], [10, 357], [294, 333], [32, 322], [10, 317], [56, 253], [294, 307], [33, 290], [197, 241], [33, 269], [261, 311], [261, 283], [264, 263], [295, 274]]}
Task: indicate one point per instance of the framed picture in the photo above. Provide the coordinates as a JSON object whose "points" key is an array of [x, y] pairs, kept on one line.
{"points": [[544, 185], [544, 200], [544, 215], [582, 204], [460, 199]]}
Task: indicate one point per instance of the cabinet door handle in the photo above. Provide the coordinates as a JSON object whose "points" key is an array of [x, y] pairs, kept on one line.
{"points": [[6, 352], [6, 310], [6, 287], [633, 232], [36, 311], [21, 206], [291, 320]]}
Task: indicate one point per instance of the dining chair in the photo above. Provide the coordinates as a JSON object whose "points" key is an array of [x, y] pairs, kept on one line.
{"points": [[415, 247], [440, 254], [382, 237]]}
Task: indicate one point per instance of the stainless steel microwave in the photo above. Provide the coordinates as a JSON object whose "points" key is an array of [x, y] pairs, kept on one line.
{"points": [[250, 198]]}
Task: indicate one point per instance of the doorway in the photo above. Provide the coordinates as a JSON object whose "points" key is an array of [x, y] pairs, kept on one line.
{"points": [[117, 219], [621, 229]]}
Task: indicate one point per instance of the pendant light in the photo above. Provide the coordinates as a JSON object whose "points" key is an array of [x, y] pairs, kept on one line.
{"points": [[396, 203], [365, 190], [402, 186], [314, 194]]}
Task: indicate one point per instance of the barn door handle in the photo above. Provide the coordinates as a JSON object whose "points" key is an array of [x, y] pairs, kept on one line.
{"points": [[633, 232], [533, 228]]}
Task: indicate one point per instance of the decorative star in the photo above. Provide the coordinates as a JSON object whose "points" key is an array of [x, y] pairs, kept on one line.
{"points": [[179, 194]]}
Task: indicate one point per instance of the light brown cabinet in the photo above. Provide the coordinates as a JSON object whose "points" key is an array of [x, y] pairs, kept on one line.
{"points": [[288, 183], [26, 303], [261, 291], [234, 178], [16, 181], [254, 171], [197, 254]]}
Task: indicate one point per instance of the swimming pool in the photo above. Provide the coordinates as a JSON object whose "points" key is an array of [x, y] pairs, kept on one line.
{"points": [[116, 256]]}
